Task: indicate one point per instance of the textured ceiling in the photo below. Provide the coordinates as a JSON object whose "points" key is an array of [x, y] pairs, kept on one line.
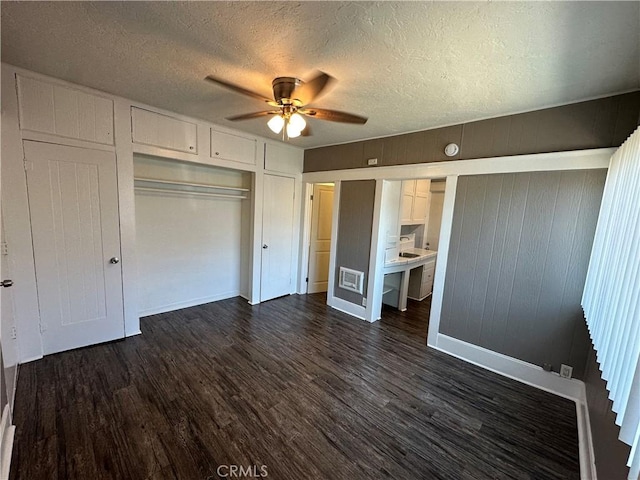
{"points": [[406, 65]]}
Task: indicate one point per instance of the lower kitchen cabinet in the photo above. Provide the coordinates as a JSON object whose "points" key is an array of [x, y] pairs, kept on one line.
{"points": [[421, 280]]}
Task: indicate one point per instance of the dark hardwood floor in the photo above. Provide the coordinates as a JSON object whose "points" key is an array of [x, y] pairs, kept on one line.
{"points": [[290, 385]]}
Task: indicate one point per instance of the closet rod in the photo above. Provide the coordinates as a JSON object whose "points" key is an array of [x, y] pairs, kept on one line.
{"points": [[189, 184], [187, 192]]}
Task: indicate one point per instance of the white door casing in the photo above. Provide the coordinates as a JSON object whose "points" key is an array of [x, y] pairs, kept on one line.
{"points": [[73, 203], [320, 244], [7, 326], [435, 219], [277, 237]]}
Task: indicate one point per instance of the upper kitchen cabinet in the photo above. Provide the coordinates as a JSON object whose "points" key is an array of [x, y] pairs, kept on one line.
{"points": [[226, 146], [155, 129], [415, 201], [58, 110]]}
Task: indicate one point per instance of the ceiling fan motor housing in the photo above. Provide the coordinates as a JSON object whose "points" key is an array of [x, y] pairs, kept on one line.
{"points": [[283, 88]]}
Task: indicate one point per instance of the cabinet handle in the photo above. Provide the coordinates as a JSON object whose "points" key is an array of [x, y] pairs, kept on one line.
{"points": [[217, 153], [190, 147]]}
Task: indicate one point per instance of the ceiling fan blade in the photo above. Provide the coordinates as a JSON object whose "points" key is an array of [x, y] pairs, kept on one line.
{"points": [[249, 116], [237, 89], [334, 115], [309, 91]]}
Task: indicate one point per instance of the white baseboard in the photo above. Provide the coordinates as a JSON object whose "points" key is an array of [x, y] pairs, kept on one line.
{"points": [[534, 376], [187, 303], [585, 442], [7, 432], [348, 307]]}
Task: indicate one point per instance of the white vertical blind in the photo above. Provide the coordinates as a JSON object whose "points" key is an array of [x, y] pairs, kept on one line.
{"points": [[611, 298]]}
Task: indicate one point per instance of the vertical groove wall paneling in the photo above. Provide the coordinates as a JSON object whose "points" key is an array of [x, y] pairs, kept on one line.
{"points": [[354, 233], [519, 251], [601, 123]]}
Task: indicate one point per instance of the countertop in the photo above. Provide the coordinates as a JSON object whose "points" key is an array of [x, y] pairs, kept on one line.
{"points": [[423, 256]]}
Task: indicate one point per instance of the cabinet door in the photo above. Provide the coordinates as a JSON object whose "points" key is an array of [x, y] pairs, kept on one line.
{"points": [[423, 187], [233, 147], [150, 128], [408, 187], [63, 111], [406, 207], [420, 209], [427, 279], [406, 204], [421, 201]]}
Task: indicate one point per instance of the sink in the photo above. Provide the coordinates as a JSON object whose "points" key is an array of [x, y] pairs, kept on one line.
{"points": [[409, 255]]}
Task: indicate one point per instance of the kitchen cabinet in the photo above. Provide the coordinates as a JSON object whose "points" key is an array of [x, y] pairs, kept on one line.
{"points": [[226, 146], [421, 280], [414, 205], [151, 128]]}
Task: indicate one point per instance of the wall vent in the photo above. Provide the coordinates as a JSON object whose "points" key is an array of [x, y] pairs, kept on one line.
{"points": [[352, 280]]}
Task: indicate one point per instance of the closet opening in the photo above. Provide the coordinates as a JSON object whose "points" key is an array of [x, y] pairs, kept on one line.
{"points": [[193, 233]]}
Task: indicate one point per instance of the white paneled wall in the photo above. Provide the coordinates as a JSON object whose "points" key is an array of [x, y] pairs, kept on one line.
{"points": [[191, 249], [612, 292]]}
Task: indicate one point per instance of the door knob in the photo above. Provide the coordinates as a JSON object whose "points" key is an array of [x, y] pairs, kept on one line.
{"points": [[265, 246], [114, 260], [6, 283]]}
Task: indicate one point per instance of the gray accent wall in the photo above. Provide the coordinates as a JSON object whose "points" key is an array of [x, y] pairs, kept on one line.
{"points": [[606, 122], [611, 454], [519, 251], [355, 223]]}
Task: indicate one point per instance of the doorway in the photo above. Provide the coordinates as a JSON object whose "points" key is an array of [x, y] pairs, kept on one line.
{"points": [[407, 289], [320, 237]]}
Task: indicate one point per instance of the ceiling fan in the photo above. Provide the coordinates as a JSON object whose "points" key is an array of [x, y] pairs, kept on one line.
{"points": [[291, 99]]}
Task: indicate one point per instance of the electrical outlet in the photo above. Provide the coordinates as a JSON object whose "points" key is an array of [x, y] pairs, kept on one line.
{"points": [[14, 333], [364, 301], [566, 371], [372, 161]]}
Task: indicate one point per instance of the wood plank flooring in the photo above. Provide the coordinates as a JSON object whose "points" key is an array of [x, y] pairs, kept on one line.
{"points": [[289, 385]]}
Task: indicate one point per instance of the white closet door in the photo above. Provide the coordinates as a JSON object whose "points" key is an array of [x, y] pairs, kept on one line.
{"points": [[76, 241], [277, 237]]}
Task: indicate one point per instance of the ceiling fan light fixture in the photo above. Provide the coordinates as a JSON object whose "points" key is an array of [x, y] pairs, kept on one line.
{"points": [[297, 122], [276, 123], [292, 131]]}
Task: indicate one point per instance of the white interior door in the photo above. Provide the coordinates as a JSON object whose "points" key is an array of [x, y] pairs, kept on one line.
{"points": [[277, 237], [73, 201], [320, 246]]}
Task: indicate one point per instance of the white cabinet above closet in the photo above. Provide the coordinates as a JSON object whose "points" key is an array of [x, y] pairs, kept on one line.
{"points": [[58, 110], [226, 146], [279, 157], [150, 128]]}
